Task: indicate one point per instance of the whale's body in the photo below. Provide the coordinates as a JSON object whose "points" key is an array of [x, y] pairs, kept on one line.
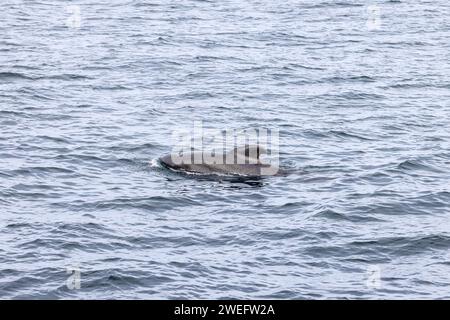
{"points": [[237, 169], [244, 162]]}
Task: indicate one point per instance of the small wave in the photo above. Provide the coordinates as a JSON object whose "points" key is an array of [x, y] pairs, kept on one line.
{"points": [[152, 204], [39, 170], [17, 75], [54, 139], [8, 43], [67, 76], [363, 79], [133, 148], [334, 215], [15, 113], [403, 246], [111, 87], [14, 75], [360, 96], [20, 225], [416, 85], [333, 4], [280, 234], [294, 66], [416, 165], [346, 135]]}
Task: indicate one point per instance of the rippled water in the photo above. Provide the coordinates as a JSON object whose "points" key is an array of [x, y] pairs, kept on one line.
{"points": [[363, 112]]}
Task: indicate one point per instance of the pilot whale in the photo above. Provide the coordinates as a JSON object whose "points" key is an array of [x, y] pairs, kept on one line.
{"points": [[242, 161]]}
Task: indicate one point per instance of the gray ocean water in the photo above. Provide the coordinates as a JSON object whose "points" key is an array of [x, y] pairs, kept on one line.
{"points": [[359, 91]]}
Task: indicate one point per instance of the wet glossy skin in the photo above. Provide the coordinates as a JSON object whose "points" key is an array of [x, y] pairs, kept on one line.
{"points": [[227, 169]]}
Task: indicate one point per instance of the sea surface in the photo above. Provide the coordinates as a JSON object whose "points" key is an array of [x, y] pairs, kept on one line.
{"points": [[92, 91]]}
